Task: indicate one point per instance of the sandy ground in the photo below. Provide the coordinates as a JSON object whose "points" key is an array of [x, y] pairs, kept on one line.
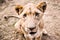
{"points": [[51, 19]]}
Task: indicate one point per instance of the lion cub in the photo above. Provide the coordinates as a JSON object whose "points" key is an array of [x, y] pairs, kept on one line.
{"points": [[31, 24]]}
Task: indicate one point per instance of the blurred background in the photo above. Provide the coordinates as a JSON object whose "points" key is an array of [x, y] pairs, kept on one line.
{"points": [[51, 19]]}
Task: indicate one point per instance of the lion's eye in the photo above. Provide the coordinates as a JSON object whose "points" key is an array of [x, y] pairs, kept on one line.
{"points": [[36, 14], [25, 15]]}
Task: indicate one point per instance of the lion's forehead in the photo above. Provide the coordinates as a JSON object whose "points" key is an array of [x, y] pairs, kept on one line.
{"points": [[30, 5], [31, 8]]}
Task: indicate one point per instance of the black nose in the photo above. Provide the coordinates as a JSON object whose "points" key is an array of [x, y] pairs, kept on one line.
{"points": [[32, 28]]}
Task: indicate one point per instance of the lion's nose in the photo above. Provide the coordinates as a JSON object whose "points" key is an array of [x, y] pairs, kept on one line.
{"points": [[32, 28]]}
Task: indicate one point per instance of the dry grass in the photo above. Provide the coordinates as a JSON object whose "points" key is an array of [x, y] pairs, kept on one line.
{"points": [[51, 20]]}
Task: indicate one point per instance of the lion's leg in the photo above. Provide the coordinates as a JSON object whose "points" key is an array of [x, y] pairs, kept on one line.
{"points": [[45, 33], [27, 38], [39, 38]]}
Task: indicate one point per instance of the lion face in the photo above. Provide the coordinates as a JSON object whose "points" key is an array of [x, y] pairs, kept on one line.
{"points": [[30, 18]]}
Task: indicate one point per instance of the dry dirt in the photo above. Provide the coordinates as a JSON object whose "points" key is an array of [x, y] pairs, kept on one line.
{"points": [[51, 19]]}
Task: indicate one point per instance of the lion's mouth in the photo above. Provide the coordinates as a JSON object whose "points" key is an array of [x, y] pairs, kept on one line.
{"points": [[32, 33]]}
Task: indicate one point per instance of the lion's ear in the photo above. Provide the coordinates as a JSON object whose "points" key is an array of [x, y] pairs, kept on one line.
{"points": [[19, 9], [42, 6]]}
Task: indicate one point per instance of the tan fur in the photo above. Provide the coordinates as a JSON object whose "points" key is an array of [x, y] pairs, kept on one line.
{"points": [[31, 17]]}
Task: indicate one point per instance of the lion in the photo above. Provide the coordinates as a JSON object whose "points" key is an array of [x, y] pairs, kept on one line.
{"points": [[31, 23]]}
